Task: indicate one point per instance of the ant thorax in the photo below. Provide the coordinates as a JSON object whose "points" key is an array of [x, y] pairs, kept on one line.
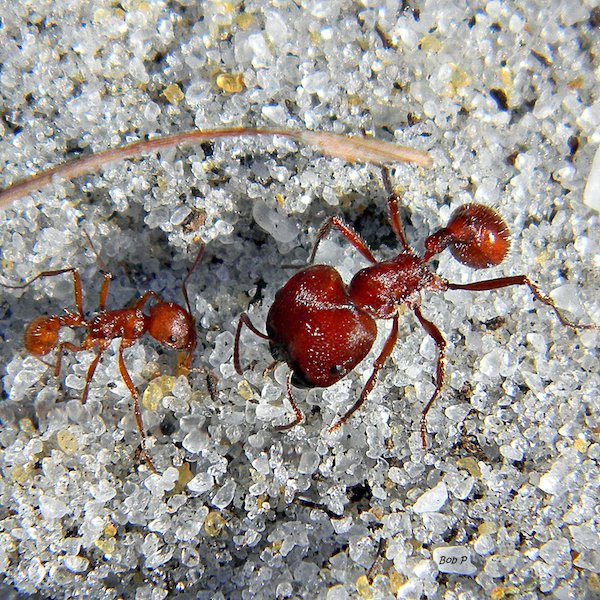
{"points": [[380, 288]]}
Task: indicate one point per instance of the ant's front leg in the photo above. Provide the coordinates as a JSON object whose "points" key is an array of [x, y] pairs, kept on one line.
{"points": [[136, 406], [245, 320], [394, 211], [348, 232], [299, 415]]}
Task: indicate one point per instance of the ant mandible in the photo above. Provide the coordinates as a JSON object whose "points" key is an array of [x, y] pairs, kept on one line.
{"points": [[323, 329], [167, 322]]}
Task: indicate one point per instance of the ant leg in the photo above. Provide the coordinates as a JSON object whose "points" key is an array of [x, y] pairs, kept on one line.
{"points": [[377, 366], [348, 232], [244, 320], [299, 414], [104, 291], [77, 290], [92, 369], [502, 282], [65, 346], [392, 203], [376, 566], [139, 305], [136, 407], [440, 372]]}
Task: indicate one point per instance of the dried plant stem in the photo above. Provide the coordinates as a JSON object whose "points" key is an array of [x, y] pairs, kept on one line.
{"points": [[351, 149]]}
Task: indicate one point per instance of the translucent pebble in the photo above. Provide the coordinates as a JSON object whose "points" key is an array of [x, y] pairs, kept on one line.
{"points": [[36, 571], [189, 526], [538, 342], [462, 488], [484, 544], [196, 441], [284, 590], [151, 111], [261, 55], [156, 390], [66, 441], [309, 462], [223, 347], [589, 560], [567, 298], [179, 215], [315, 82], [261, 464], [557, 480], [281, 227], [196, 93], [276, 114], [103, 492], [214, 523], [432, 500], [52, 508], [458, 412], [591, 193], [225, 495], [245, 390], [76, 564], [338, 592], [494, 363], [276, 27], [556, 551], [585, 536], [511, 453]]}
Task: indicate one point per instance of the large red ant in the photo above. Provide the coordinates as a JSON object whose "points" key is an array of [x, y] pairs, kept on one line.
{"points": [[323, 329], [167, 322]]}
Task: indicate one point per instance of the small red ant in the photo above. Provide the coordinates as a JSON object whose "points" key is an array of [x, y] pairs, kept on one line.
{"points": [[167, 322], [323, 329]]}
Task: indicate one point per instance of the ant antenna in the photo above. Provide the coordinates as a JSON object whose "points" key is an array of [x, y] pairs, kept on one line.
{"points": [[99, 259], [185, 279]]}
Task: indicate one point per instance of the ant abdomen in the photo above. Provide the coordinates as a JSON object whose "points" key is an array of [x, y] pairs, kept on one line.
{"points": [[41, 335], [476, 235]]}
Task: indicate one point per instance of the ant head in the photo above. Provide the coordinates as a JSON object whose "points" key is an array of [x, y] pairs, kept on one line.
{"points": [[476, 235], [172, 325]]}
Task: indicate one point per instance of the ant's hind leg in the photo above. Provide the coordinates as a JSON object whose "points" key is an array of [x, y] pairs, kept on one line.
{"points": [[388, 347], [440, 372]]}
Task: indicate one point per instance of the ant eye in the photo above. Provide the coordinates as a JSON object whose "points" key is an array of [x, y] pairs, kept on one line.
{"points": [[172, 339]]}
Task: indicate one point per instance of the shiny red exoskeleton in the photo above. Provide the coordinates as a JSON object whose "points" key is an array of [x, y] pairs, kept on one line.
{"points": [[323, 329], [167, 322]]}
